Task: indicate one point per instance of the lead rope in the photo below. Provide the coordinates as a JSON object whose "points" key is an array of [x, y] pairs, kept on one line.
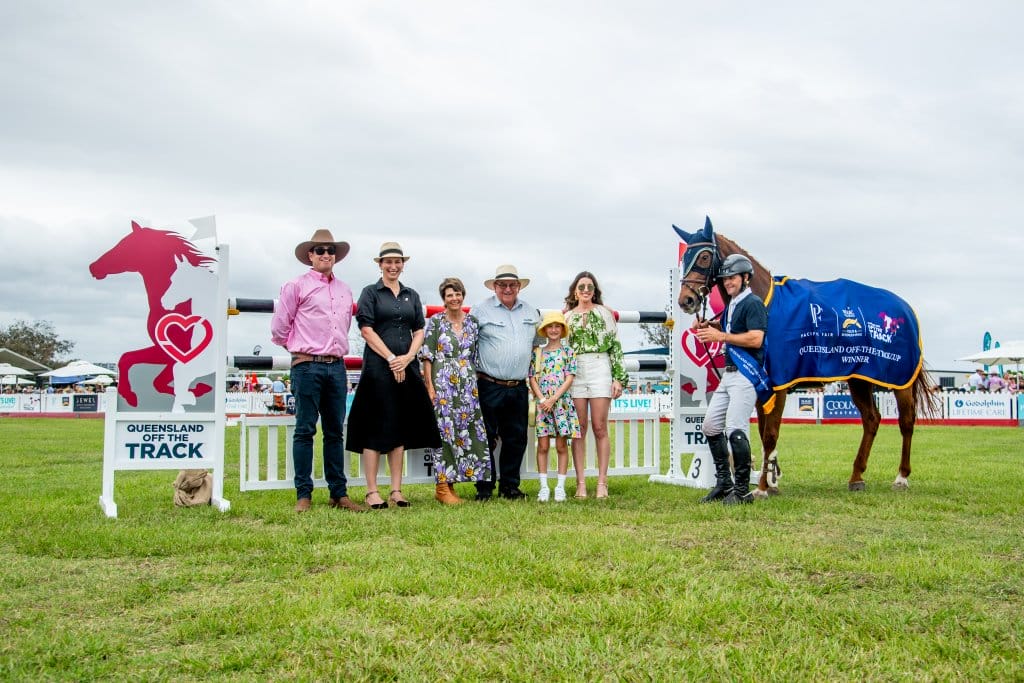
{"points": [[702, 318]]}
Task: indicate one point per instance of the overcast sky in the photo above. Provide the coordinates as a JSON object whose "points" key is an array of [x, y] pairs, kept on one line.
{"points": [[880, 141]]}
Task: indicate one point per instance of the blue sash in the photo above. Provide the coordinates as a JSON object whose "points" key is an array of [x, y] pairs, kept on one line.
{"points": [[837, 330], [755, 374]]}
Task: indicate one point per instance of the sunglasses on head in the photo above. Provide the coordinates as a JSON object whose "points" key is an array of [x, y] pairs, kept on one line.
{"points": [[320, 251], [584, 288]]}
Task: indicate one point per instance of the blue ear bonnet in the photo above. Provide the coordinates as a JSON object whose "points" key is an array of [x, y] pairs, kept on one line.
{"points": [[696, 243]]}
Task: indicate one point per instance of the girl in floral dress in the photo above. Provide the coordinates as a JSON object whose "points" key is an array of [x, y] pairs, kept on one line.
{"points": [[551, 375], [449, 345]]}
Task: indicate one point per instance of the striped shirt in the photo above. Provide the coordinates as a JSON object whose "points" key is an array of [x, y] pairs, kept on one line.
{"points": [[507, 337]]}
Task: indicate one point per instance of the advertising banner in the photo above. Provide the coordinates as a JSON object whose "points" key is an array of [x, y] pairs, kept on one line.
{"points": [[85, 403], [636, 403], [980, 406], [838, 406]]}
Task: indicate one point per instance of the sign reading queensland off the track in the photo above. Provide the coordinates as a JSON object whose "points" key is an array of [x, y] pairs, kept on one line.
{"points": [[165, 445], [169, 412]]}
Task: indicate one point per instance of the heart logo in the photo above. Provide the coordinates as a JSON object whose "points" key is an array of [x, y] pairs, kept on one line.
{"points": [[697, 352], [185, 323]]}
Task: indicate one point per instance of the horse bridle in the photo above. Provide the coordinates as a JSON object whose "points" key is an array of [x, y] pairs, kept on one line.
{"points": [[703, 289], [709, 274]]}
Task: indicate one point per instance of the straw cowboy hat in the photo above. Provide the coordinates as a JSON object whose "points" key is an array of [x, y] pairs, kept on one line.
{"points": [[390, 249], [553, 318], [321, 237], [506, 272]]}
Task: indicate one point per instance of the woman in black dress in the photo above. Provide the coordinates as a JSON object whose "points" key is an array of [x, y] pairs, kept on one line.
{"points": [[391, 410]]}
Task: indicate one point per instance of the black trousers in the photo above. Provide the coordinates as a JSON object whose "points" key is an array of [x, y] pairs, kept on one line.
{"points": [[506, 411]]}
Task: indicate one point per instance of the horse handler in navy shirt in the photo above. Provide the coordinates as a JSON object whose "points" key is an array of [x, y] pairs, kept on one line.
{"points": [[728, 417]]}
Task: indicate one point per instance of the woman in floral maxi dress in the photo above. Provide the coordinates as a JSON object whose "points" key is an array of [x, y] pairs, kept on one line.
{"points": [[447, 353]]}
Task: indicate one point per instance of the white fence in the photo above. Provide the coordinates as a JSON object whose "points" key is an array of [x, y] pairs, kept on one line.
{"points": [[265, 453]]}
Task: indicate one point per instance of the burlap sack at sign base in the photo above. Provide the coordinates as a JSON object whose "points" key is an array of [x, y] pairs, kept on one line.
{"points": [[193, 487]]}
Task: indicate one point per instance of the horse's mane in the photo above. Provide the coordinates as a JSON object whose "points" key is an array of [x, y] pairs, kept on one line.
{"points": [[179, 246], [762, 280]]}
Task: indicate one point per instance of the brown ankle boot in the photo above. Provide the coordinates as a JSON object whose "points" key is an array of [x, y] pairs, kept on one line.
{"points": [[443, 495], [451, 489]]}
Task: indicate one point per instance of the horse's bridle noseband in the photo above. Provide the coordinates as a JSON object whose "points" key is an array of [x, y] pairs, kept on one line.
{"points": [[702, 289]]}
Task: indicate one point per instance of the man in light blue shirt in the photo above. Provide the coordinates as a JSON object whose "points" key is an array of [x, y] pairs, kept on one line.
{"points": [[507, 331]]}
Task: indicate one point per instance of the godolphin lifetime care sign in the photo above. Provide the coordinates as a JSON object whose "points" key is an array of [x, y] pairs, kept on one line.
{"points": [[168, 409]]}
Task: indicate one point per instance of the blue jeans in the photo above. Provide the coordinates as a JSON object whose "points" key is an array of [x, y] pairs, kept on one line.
{"points": [[320, 390]]}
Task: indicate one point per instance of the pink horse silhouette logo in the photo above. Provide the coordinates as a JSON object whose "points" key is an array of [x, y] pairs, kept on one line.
{"points": [[155, 255], [889, 324]]}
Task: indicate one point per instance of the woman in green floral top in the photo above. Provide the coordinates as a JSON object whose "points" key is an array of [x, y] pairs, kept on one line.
{"points": [[600, 374]]}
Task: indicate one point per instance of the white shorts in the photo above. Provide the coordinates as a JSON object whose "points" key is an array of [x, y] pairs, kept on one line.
{"points": [[593, 376]]}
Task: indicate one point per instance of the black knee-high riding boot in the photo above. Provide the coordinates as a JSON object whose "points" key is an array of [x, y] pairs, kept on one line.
{"points": [[723, 481], [740, 445]]}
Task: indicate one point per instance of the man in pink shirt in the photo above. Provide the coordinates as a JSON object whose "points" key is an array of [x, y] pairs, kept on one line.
{"points": [[311, 320]]}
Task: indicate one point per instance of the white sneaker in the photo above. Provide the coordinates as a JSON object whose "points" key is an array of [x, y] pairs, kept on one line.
{"points": [[544, 495], [559, 494]]}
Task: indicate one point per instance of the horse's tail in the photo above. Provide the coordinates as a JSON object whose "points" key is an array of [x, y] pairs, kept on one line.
{"points": [[926, 397]]}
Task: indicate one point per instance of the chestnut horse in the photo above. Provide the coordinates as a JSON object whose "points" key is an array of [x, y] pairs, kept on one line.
{"points": [[701, 261]]}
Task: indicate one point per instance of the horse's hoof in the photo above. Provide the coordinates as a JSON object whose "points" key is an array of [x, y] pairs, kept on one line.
{"points": [[901, 484], [773, 491], [856, 486], [759, 494]]}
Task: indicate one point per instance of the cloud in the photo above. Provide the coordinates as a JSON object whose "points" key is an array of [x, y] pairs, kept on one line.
{"points": [[881, 145]]}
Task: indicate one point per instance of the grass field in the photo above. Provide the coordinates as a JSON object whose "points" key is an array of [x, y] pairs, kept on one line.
{"points": [[816, 584]]}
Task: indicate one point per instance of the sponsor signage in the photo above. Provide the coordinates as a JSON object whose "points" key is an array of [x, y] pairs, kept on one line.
{"points": [[980, 406], [836, 406], [805, 404], [636, 403], [8, 402], [236, 402], [85, 403]]}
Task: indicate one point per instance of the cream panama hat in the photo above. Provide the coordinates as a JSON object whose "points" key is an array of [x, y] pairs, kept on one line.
{"points": [[506, 272], [391, 249]]}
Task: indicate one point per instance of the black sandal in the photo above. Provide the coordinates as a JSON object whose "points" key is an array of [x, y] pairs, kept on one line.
{"points": [[375, 506], [400, 503]]}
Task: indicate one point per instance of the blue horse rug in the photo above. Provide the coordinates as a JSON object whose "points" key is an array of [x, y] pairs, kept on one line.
{"points": [[826, 331]]}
